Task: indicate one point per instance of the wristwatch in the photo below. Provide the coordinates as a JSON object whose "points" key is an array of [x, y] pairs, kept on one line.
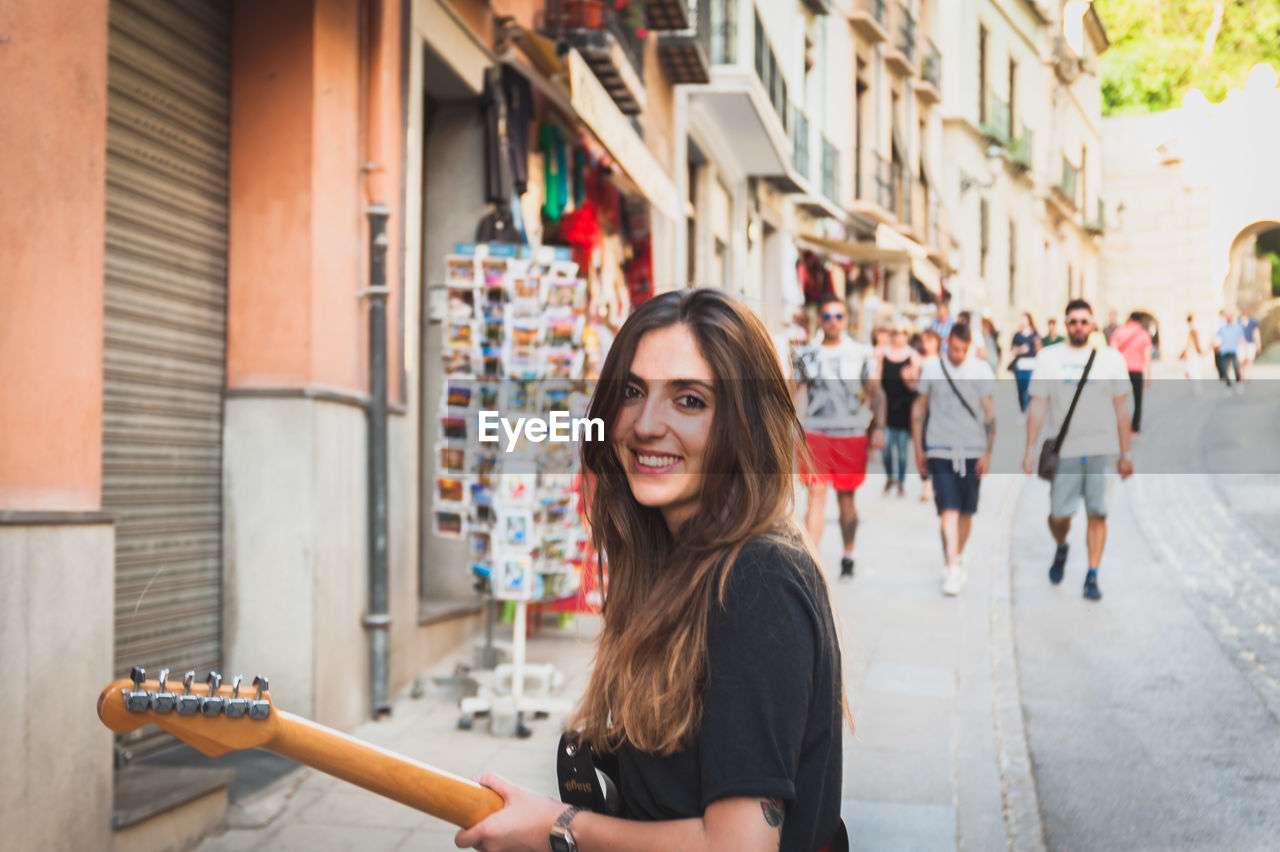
{"points": [[561, 837]]}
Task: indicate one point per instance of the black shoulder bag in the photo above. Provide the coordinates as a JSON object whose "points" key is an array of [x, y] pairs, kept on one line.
{"points": [[1052, 447]]}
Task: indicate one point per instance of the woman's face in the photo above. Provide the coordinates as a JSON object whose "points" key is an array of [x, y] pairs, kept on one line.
{"points": [[664, 425]]}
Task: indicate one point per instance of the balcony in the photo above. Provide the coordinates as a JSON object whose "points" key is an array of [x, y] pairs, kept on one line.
{"points": [[900, 51], [996, 127], [723, 30], [1098, 225], [607, 41], [870, 20], [1020, 151], [800, 142], [817, 7], [669, 15], [685, 55], [830, 171], [929, 85], [1065, 188]]}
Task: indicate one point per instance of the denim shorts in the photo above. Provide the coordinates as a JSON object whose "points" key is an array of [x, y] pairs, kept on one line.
{"points": [[1090, 478], [953, 491]]}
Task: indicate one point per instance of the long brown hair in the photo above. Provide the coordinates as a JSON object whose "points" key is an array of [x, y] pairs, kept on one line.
{"points": [[652, 656]]}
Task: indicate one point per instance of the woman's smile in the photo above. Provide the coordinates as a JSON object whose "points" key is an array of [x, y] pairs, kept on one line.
{"points": [[653, 462]]}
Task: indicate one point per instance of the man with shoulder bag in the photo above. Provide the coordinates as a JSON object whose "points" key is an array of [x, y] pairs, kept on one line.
{"points": [[953, 424], [1085, 394]]}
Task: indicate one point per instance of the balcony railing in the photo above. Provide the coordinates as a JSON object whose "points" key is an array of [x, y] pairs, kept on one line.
{"points": [[830, 171], [724, 31], [907, 32], [770, 74], [931, 65], [1067, 183], [1020, 150], [1098, 224], [996, 127], [595, 29], [800, 141]]}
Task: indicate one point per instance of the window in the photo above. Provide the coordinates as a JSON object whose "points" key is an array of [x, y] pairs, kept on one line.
{"points": [[982, 74], [984, 227], [1084, 183], [1013, 262]]}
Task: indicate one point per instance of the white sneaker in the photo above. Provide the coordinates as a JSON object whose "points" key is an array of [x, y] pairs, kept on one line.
{"points": [[953, 582]]}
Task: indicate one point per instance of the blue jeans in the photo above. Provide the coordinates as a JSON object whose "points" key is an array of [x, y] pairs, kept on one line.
{"points": [[896, 440], [1024, 388]]}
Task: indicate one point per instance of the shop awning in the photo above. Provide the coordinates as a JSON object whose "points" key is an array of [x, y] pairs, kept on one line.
{"points": [[924, 269], [859, 252]]}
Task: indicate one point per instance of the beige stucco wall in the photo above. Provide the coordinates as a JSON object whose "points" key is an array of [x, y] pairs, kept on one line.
{"points": [[56, 637]]}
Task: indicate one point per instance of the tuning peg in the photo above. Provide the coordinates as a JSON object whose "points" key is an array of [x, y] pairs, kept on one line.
{"points": [[137, 700], [236, 706], [212, 703], [162, 700], [187, 704], [259, 707]]}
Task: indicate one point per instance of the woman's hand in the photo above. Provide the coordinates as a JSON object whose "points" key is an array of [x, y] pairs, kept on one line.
{"points": [[523, 824]]}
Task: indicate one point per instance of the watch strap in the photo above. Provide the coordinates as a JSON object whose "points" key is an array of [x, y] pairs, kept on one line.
{"points": [[561, 838]]}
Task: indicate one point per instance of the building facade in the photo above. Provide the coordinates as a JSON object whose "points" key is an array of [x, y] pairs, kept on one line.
{"points": [[1022, 119]]}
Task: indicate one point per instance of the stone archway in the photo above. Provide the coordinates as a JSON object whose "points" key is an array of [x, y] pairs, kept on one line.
{"points": [[1240, 254]]}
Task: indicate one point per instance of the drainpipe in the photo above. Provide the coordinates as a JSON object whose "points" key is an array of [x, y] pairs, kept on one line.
{"points": [[377, 620]]}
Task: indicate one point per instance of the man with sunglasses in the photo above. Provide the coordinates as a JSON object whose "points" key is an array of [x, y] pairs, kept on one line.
{"points": [[1097, 437], [838, 373]]}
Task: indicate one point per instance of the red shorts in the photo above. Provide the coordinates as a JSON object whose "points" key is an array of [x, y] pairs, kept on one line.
{"points": [[839, 462]]}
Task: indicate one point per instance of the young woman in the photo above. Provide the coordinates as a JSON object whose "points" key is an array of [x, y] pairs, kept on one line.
{"points": [[990, 344], [899, 364], [1026, 343], [717, 677]]}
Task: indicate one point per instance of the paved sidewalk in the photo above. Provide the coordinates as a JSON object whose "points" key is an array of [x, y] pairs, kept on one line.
{"points": [[931, 680]]}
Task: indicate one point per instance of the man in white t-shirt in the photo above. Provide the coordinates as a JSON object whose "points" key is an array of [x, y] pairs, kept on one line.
{"points": [[837, 373], [1097, 436], [957, 401]]}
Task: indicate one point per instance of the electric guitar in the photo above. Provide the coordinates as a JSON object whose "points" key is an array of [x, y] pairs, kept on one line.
{"points": [[215, 719]]}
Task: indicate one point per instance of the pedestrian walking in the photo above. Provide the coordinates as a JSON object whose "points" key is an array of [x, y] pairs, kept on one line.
{"points": [[1226, 348], [1251, 345], [845, 417], [717, 687], [1083, 393], [990, 344], [930, 347], [1192, 355], [942, 322], [1134, 345], [1051, 336], [898, 365], [1026, 343], [1113, 322], [953, 441]]}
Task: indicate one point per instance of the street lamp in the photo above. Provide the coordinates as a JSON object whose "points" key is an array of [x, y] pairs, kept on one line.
{"points": [[995, 154]]}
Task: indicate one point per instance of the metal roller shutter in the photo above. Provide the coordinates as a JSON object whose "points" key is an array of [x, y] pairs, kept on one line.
{"points": [[165, 318]]}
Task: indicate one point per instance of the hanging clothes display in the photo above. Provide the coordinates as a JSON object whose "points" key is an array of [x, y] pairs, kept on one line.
{"points": [[556, 176], [498, 182], [519, 99], [814, 278]]}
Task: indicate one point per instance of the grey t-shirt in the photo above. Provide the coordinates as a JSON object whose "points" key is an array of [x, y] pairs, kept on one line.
{"points": [[834, 377], [952, 431]]}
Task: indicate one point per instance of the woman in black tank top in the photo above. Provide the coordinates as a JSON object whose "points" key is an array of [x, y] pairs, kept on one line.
{"points": [[897, 363]]}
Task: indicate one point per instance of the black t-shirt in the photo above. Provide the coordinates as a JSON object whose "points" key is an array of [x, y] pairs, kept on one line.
{"points": [[771, 706]]}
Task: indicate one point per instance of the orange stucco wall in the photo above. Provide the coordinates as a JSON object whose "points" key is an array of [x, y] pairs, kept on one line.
{"points": [[53, 65], [298, 233]]}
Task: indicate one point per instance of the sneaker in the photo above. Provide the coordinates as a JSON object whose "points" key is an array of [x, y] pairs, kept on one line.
{"points": [[1091, 590], [846, 568], [953, 583], [1059, 564]]}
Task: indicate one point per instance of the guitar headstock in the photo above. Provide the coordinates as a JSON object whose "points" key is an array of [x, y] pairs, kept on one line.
{"points": [[210, 717]]}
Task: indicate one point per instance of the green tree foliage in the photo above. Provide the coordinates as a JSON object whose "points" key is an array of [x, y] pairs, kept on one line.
{"points": [[1158, 49]]}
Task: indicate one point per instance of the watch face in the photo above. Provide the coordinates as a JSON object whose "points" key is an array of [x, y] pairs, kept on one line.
{"points": [[563, 844]]}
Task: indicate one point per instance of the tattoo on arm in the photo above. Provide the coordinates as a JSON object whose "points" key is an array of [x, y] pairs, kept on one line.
{"points": [[990, 427], [773, 811]]}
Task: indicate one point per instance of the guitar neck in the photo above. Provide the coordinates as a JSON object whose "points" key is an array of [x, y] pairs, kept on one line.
{"points": [[433, 791]]}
